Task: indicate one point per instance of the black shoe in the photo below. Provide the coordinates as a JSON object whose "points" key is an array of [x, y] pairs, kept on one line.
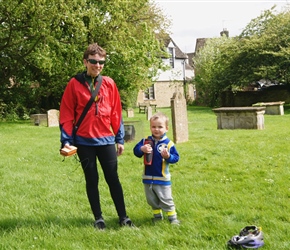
{"points": [[100, 223], [126, 222], [157, 219]]}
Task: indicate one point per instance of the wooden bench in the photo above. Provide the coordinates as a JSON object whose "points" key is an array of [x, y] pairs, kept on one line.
{"points": [[144, 106], [154, 107]]}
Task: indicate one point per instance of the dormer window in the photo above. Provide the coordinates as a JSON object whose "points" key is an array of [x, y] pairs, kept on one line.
{"points": [[171, 58]]}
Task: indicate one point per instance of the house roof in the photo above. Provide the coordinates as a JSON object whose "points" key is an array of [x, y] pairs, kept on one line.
{"points": [[200, 42], [168, 42], [190, 58], [178, 53]]}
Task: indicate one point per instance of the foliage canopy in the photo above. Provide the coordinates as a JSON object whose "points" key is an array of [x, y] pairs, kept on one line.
{"points": [[42, 44], [261, 51]]}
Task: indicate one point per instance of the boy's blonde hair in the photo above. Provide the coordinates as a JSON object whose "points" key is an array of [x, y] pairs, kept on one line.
{"points": [[161, 116]]}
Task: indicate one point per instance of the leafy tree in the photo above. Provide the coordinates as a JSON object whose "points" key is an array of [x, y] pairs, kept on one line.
{"points": [[128, 34], [211, 70], [39, 48], [42, 44], [260, 52]]}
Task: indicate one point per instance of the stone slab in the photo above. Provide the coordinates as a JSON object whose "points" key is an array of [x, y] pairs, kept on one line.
{"points": [[272, 108], [240, 117]]}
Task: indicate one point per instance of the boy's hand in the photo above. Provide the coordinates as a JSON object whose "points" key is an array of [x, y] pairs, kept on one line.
{"points": [[147, 149], [165, 154]]}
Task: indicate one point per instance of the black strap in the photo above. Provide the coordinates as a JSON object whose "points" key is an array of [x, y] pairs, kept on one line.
{"points": [[89, 104]]}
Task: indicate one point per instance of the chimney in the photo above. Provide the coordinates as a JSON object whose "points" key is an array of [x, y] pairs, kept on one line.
{"points": [[224, 32]]}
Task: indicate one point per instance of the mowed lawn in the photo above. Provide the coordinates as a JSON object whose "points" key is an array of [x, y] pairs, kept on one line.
{"points": [[224, 181]]}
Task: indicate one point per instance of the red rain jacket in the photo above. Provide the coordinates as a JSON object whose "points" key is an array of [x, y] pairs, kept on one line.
{"points": [[102, 125]]}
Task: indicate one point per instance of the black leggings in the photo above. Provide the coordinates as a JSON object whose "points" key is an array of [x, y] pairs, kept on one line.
{"points": [[108, 160]]}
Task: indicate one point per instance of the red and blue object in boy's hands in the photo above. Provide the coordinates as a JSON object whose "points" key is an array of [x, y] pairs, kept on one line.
{"points": [[148, 156]]}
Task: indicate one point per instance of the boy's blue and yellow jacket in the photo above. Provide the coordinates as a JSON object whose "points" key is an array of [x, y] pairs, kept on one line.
{"points": [[158, 172]]}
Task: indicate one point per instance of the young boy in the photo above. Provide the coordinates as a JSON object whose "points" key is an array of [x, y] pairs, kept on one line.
{"points": [[158, 151]]}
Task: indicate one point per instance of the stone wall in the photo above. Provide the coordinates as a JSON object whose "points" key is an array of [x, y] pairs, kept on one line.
{"points": [[163, 92], [248, 98]]}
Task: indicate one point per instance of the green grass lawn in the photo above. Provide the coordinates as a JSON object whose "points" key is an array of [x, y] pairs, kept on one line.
{"points": [[224, 181]]}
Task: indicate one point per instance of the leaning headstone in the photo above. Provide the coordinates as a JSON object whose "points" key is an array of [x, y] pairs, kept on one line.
{"points": [[149, 112], [53, 118], [179, 118]]}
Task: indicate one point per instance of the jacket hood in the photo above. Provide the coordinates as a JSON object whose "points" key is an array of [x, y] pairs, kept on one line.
{"points": [[81, 77]]}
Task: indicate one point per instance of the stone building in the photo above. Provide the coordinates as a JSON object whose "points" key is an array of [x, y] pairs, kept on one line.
{"points": [[168, 82]]}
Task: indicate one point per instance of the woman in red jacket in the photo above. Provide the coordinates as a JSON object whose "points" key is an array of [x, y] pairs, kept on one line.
{"points": [[100, 132]]}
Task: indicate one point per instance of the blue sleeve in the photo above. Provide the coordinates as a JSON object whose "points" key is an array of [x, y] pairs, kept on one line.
{"points": [[137, 151], [119, 137], [174, 156], [65, 138]]}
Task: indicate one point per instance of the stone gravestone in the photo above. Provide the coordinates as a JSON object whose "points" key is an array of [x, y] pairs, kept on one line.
{"points": [[39, 119], [149, 112], [240, 117], [53, 118], [179, 118], [130, 113]]}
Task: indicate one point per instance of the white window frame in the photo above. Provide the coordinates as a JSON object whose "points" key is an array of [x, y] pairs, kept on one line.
{"points": [[150, 93]]}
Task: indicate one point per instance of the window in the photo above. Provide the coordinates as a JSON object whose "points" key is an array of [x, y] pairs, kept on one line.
{"points": [[171, 59], [150, 94]]}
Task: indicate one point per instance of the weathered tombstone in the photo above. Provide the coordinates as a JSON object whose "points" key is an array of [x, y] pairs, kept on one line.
{"points": [[191, 92], [133, 130], [129, 132], [272, 108], [39, 119], [240, 117], [53, 118], [149, 112], [179, 118], [130, 113]]}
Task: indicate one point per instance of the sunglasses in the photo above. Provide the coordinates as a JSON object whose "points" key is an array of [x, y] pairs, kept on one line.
{"points": [[93, 61]]}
